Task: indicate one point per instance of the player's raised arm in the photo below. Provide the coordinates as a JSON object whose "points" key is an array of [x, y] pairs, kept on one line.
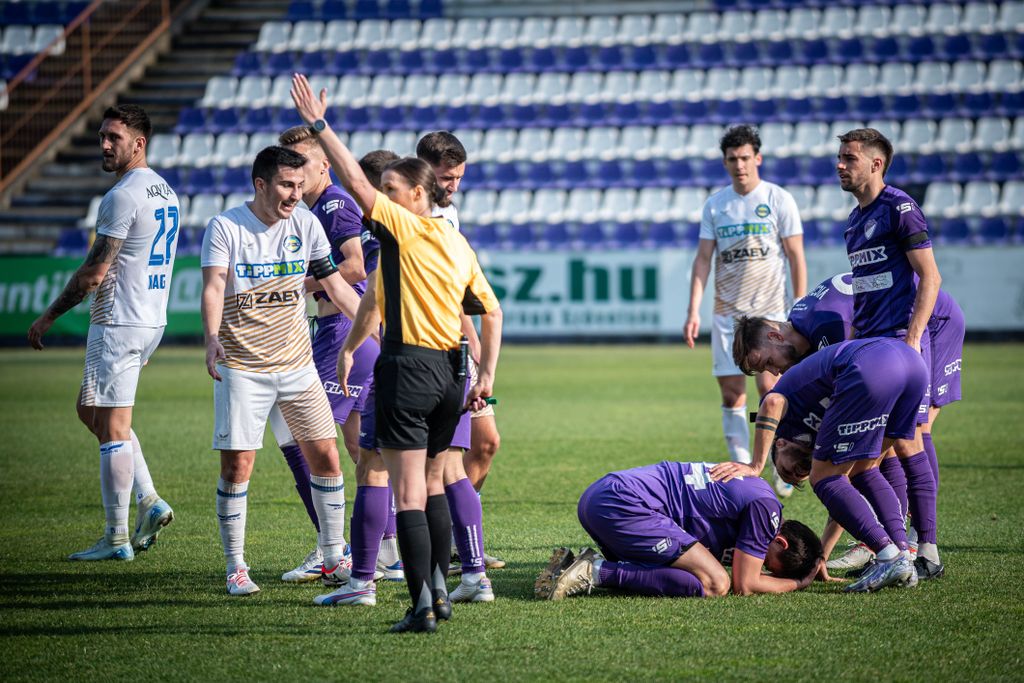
{"points": [[86, 279], [312, 110]]}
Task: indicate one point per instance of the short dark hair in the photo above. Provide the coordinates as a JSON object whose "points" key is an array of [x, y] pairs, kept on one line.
{"points": [[298, 135], [740, 135], [416, 171], [804, 551], [132, 116], [373, 164], [748, 335], [272, 158], [441, 148], [869, 137]]}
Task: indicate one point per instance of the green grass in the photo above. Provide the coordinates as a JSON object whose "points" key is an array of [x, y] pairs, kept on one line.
{"points": [[567, 416]]}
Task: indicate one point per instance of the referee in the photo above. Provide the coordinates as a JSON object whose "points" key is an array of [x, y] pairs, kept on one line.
{"points": [[427, 276]]}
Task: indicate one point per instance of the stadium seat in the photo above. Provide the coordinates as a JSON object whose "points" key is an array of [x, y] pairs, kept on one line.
{"points": [[668, 29], [220, 92], [980, 198], [91, 213], [306, 36], [955, 47], [1011, 201], [909, 16], [367, 10], [967, 167], [942, 200], [954, 135], [941, 16], [1004, 75], [274, 36], [72, 242], [234, 179], [931, 77], [991, 133], [977, 104], [554, 236], [952, 231], [260, 141], [484, 236], [687, 84], [520, 236], [979, 17], [199, 181], [824, 79], [993, 230], [534, 31], [45, 35], [929, 167], [702, 25], [1004, 166], [429, 8], [831, 203], [162, 150], [300, 10], [807, 136], [202, 208], [477, 205]]}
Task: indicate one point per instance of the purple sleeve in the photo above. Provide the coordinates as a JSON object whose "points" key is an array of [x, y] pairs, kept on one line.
{"points": [[342, 223], [760, 525], [910, 226]]}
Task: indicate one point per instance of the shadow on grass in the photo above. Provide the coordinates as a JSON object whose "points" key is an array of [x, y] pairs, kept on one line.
{"points": [[974, 466]]}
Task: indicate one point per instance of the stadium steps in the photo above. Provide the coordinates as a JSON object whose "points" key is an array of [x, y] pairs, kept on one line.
{"points": [[59, 196]]}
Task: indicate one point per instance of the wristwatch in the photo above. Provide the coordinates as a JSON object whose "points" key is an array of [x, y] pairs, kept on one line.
{"points": [[319, 126]]}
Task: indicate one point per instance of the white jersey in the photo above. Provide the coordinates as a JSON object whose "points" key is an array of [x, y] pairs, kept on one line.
{"points": [[142, 210], [449, 213], [750, 265], [264, 324]]}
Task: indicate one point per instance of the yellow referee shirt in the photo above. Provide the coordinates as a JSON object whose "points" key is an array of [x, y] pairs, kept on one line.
{"points": [[427, 275]]}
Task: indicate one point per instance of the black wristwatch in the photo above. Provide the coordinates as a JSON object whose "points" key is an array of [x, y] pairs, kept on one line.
{"points": [[319, 126]]}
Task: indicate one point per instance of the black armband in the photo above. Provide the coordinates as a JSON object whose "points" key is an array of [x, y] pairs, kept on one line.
{"points": [[322, 267], [914, 240]]}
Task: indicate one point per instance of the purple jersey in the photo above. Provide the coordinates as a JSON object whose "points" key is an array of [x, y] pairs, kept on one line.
{"points": [[884, 283], [371, 249], [342, 220], [823, 316], [742, 513]]}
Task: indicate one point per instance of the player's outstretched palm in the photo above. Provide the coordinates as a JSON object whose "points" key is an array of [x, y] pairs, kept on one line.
{"points": [[306, 103]]}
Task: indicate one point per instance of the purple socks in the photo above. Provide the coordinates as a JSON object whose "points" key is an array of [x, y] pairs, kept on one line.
{"points": [[846, 505], [933, 460], [300, 470], [922, 494], [369, 517], [877, 491], [666, 582], [467, 524], [892, 470]]}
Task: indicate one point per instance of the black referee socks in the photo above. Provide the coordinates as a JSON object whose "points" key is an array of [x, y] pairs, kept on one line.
{"points": [[414, 544]]}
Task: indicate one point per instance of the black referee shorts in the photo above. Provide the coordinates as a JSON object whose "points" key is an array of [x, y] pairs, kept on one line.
{"points": [[418, 398]]}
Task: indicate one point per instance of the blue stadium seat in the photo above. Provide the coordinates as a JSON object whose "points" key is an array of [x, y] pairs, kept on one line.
{"points": [[44, 12], [707, 56], [571, 174], [278, 63], [1011, 104], [453, 116], [708, 171], [676, 56], [258, 119], [234, 179], [920, 48], [989, 46], [12, 13], [882, 50], [640, 57], [590, 235], [246, 64], [777, 53], [658, 113], [476, 176], [781, 170], [443, 61], [956, 47], [391, 118], [511, 59], [313, 63], [483, 236], [1004, 166], [589, 114], [541, 176], [644, 173], [506, 175], [662, 234], [355, 118], [994, 230], [575, 58], [343, 62], [811, 52], [761, 110], [726, 112], [367, 9], [967, 167], [744, 54], [899, 170], [830, 232], [624, 114], [680, 173], [953, 231], [397, 9], [867, 107], [556, 115], [172, 176], [411, 62], [693, 111], [71, 242], [929, 168], [976, 104], [626, 235], [832, 108], [190, 120], [905, 106], [288, 117], [792, 109], [223, 121], [940, 105], [13, 64], [812, 233], [301, 10], [333, 10], [199, 181], [610, 58], [375, 62], [430, 8], [848, 50], [520, 236], [688, 234], [489, 116], [555, 235], [190, 242], [473, 61], [608, 173], [542, 59]]}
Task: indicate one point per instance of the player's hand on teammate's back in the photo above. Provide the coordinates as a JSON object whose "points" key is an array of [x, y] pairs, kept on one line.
{"points": [[306, 103], [724, 471], [346, 359], [214, 354], [690, 329], [35, 333]]}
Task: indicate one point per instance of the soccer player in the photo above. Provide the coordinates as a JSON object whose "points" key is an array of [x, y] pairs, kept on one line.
{"points": [[753, 229], [869, 390], [895, 278], [427, 275], [665, 530], [255, 261], [476, 438], [129, 268], [342, 223], [820, 319]]}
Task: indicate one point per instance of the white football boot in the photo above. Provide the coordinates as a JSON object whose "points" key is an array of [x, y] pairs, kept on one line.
{"points": [[309, 569]]}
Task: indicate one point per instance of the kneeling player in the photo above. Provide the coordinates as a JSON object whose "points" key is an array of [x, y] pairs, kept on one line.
{"points": [[664, 529]]}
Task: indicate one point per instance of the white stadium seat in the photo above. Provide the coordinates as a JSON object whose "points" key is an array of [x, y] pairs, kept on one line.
{"points": [[803, 195], [954, 135], [306, 36], [769, 24], [162, 150], [896, 78], [967, 75], [471, 138], [363, 141], [585, 86], [942, 18], [533, 144], [825, 79], [829, 145], [701, 26], [837, 21], [484, 88], [220, 92], [401, 142], [548, 206], [687, 84], [652, 202], [860, 79], [803, 22], [385, 90], [468, 30], [872, 20], [436, 34], [370, 34], [755, 81], [671, 141], [518, 87], [617, 203], [403, 34], [1011, 203], [568, 31], [477, 206], [734, 25], [703, 140], [918, 134], [980, 199], [790, 81], [942, 200], [352, 91], [196, 150], [636, 142], [502, 32], [992, 133], [721, 83], [979, 17], [931, 77], [232, 200], [668, 28], [535, 32], [280, 91], [1011, 16], [253, 91], [635, 28], [831, 202], [451, 89], [339, 34], [653, 85], [499, 144], [231, 150], [1004, 75], [776, 138], [1017, 136], [418, 88], [260, 141], [619, 86], [890, 129], [567, 143], [687, 203], [909, 18], [551, 87], [204, 207], [602, 29], [274, 36], [807, 135], [46, 34], [601, 142], [582, 203], [512, 205]]}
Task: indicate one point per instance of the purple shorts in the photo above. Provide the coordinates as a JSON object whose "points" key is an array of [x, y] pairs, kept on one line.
{"points": [[368, 424], [876, 395], [330, 336], [947, 348], [627, 529]]}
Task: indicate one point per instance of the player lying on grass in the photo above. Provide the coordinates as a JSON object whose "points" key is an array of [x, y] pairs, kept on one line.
{"points": [[825, 317], [870, 390], [665, 529]]}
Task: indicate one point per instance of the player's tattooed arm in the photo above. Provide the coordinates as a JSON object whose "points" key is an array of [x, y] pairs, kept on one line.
{"points": [[766, 423], [88, 276]]}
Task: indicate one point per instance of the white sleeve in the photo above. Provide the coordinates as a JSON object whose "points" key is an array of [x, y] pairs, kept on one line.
{"points": [[319, 246], [216, 246], [790, 224], [117, 214], [707, 227]]}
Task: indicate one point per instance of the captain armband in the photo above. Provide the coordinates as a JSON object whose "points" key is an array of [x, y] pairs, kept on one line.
{"points": [[322, 267], [913, 240]]}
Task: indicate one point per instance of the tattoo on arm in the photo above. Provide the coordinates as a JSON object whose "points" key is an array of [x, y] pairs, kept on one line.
{"points": [[766, 423], [104, 250]]}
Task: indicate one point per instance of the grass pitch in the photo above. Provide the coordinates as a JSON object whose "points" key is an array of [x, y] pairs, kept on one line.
{"points": [[567, 416]]}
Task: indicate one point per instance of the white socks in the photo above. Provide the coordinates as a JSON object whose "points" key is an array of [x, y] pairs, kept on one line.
{"points": [[889, 552], [929, 551], [737, 433], [116, 471], [388, 553], [231, 509], [329, 502], [143, 485]]}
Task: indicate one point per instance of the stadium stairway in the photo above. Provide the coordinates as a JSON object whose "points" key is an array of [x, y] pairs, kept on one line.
{"points": [[58, 197]]}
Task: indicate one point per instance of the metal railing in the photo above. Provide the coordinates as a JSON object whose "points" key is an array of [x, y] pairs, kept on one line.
{"points": [[60, 84]]}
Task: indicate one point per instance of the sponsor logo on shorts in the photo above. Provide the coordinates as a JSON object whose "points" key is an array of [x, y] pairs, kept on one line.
{"points": [[905, 207], [743, 229], [872, 283], [354, 390], [662, 546], [867, 256], [943, 389], [844, 447], [333, 205], [762, 211], [741, 254], [250, 300], [952, 367], [292, 243], [851, 428], [869, 228], [256, 271]]}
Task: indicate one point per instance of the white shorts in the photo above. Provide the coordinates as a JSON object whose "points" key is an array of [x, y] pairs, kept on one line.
{"points": [[242, 402], [722, 364], [114, 356]]}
